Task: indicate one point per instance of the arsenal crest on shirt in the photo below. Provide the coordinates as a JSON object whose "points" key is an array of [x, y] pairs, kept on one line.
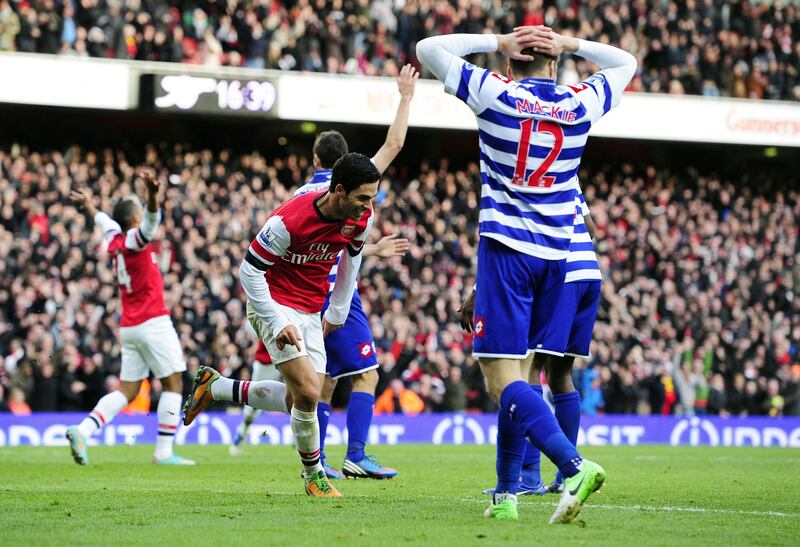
{"points": [[348, 229]]}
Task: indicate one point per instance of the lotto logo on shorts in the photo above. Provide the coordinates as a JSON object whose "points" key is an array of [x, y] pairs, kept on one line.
{"points": [[365, 350], [480, 326]]}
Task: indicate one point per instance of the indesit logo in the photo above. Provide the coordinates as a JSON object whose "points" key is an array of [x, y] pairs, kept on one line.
{"points": [[459, 425], [698, 429]]}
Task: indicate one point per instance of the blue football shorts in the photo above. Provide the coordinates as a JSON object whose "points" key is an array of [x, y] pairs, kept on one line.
{"points": [[516, 297], [350, 349]]}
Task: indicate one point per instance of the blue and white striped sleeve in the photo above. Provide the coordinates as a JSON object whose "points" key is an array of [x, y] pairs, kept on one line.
{"points": [[443, 56], [603, 90], [474, 85]]}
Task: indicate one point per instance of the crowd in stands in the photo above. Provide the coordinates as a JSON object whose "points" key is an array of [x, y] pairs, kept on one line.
{"points": [[710, 47], [701, 290]]}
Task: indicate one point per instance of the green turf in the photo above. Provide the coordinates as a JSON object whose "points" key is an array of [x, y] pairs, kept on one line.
{"points": [[654, 495]]}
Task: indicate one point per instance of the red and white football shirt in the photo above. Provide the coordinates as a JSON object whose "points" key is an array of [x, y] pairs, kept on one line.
{"points": [[297, 247], [140, 281]]}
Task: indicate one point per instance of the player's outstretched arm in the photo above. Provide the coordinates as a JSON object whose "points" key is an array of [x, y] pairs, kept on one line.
{"points": [[83, 198], [387, 247], [396, 136]]}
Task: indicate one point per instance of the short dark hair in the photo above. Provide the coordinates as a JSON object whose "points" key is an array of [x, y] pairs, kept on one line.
{"points": [[352, 170], [329, 147], [526, 68], [124, 211]]}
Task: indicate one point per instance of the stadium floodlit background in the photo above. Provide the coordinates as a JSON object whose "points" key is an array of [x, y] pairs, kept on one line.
{"points": [[692, 183]]}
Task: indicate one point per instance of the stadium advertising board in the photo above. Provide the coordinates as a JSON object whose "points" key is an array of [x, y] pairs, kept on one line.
{"points": [[647, 116], [209, 95], [49, 80], [47, 429], [702, 119]]}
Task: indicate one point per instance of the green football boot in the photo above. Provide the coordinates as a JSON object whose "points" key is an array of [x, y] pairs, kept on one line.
{"points": [[576, 489]]}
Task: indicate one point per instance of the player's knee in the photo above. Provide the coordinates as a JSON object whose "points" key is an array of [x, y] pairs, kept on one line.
{"points": [[130, 389], [173, 383], [366, 381], [306, 397], [328, 387], [559, 376]]}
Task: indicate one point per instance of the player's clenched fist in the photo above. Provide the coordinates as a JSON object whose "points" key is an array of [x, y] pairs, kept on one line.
{"points": [[289, 336], [407, 81]]}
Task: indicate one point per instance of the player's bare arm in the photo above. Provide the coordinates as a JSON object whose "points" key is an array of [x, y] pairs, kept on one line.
{"points": [[587, 219], [152, 184], [82, 197], [387, 247], [396, 136]]}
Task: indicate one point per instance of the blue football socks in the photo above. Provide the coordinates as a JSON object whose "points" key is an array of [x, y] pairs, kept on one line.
{"points": [[529, 411], [323, 415], [359, 419]]}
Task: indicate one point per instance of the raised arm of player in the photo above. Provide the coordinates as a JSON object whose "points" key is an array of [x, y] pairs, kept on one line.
{"points": [[137, 238], [268, 246], [84, 200], [396, 136], [443, 56], [346, 275]]}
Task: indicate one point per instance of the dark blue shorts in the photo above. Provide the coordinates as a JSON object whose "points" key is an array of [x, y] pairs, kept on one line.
{"points": [[516, 297], [350, 349], [577, 311]]}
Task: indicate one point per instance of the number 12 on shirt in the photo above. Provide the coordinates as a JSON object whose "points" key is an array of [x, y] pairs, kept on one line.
{"points": [[538, 178]]}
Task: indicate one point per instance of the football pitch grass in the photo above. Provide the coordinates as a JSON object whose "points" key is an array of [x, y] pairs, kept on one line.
{"points": [[653, 496]]}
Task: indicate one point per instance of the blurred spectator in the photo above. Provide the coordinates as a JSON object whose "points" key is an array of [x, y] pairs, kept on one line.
{"points": [[738, 49], [398, 399], [700, 277], [17, 404], [792, 393], [717, 399], [455, 391], [591, 393], [774, 400], [9, 26]]}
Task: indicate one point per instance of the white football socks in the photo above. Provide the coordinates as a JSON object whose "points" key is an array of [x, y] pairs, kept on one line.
{"points": [[306, 437], [105, 411], [169, 414]]}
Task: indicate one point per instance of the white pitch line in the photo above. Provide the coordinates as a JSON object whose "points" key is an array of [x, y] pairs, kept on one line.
{"points": [[673, 509], [669, 509]]}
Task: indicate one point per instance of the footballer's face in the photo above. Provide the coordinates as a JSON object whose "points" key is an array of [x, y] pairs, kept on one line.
{"points": [[357, 202]]}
